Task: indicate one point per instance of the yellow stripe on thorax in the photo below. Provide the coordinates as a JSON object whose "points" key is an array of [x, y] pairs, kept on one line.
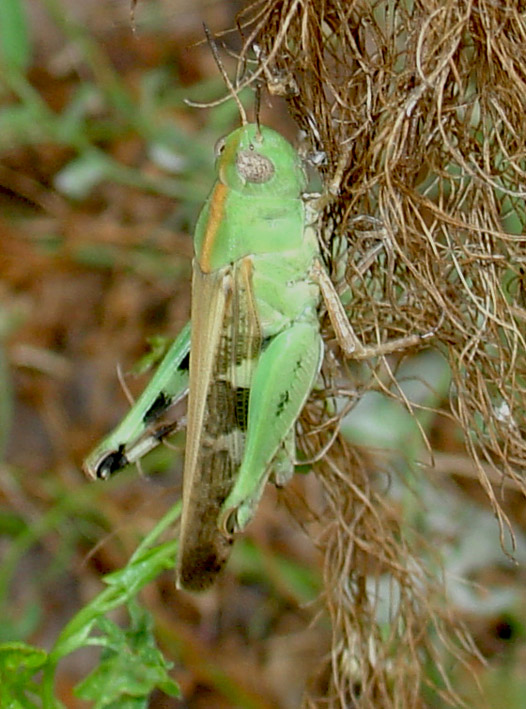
{"points": [[215, 215], [217, 205]]}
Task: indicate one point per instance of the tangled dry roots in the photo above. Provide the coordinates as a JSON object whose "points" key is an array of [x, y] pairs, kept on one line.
{"points": [[414, 113]]}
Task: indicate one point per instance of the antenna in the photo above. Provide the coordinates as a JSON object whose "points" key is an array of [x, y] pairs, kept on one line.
{"points": [[225, 76], [257, 106]]}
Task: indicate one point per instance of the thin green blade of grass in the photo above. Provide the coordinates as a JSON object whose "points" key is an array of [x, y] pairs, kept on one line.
{"points": [[15, 44]]}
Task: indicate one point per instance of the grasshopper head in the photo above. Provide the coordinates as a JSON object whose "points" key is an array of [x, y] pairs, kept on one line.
{"points": [[258, 160]]}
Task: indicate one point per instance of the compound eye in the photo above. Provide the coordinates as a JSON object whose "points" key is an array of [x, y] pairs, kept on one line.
{"points": [[254, 167], [219, 147]]}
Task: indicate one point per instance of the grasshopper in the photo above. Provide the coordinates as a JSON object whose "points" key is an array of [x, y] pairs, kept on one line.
{"points": [[250, 355]]}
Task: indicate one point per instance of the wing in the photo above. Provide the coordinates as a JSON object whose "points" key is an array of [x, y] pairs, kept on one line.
{"points": [[226, 341]]}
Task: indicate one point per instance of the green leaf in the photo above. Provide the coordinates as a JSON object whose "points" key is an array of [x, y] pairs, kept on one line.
{"points": [[18, 665], [21, 658], [131, 665], [15, 47]]}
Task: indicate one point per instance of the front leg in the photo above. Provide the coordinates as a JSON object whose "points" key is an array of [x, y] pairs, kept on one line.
{"points": [[347, 338]]}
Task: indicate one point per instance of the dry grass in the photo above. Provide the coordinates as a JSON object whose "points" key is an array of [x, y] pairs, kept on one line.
{"points": [[414, 114]]}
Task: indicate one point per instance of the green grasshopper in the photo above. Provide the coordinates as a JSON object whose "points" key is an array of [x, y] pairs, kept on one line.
{"points": [[251, 355]]}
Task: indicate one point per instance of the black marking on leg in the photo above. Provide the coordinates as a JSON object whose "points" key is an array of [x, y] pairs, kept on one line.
{"points": [[112, 463], [159, 406], [283, 401], [184, 365]]}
